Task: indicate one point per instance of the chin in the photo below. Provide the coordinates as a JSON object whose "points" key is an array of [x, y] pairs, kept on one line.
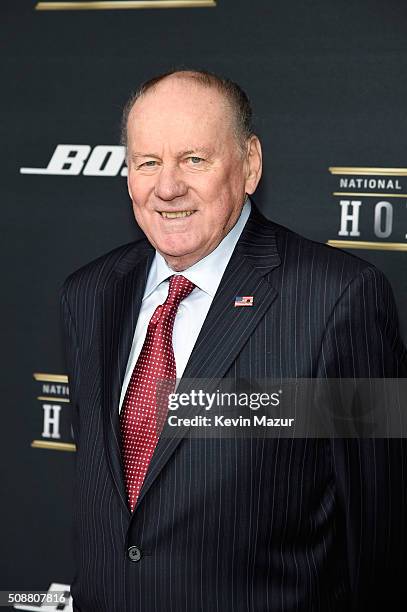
{"points": [[176, 248], [179, 254]]}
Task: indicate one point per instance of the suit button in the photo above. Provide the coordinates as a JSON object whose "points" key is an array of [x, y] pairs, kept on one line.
{"points": [[134, 554]]}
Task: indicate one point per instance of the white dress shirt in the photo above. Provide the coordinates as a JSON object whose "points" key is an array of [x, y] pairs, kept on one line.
{"points": [[206, 274]]}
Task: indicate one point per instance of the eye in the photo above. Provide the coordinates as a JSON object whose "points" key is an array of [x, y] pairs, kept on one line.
{"points": [[151, 163], [195, 160]]}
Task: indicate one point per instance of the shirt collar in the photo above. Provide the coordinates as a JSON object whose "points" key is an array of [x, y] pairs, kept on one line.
{"points": [[207, 272]]}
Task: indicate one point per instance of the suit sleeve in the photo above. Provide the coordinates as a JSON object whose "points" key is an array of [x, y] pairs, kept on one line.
{"points": [[362, 340], [72, 361]]}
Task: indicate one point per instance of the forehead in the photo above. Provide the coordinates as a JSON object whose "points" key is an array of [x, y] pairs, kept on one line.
{"points": [[179, 110]]}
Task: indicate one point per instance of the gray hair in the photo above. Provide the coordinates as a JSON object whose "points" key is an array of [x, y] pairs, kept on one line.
{"points": [[233, 93]]}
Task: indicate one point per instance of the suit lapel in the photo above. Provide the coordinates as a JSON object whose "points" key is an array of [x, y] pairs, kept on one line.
{"points": [[227, 328], [121, 301]]}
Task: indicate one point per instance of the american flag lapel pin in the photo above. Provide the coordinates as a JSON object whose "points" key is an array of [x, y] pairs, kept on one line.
{"points": [[245, 300]]}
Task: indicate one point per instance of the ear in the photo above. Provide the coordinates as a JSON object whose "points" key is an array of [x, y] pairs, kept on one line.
{"points": [[128, 179], [253, 164]]}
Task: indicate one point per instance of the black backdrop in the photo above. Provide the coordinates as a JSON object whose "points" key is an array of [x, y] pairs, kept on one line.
{"points": [[328, 82]]}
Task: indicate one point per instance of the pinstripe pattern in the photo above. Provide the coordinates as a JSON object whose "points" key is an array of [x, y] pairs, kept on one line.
{"points": [[232, 524]]}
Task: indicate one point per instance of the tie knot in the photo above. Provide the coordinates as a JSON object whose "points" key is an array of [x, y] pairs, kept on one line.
{"points": [[180, 288]]}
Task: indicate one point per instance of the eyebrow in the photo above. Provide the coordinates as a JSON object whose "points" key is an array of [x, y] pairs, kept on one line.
{"points": [[191, 151], [137, 154]]}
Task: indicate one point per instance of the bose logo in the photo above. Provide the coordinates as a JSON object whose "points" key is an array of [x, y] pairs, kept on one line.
{"points": [[104, 160]]}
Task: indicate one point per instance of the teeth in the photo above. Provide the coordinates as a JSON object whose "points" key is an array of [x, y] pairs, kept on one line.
{"points": [[174, 215]]}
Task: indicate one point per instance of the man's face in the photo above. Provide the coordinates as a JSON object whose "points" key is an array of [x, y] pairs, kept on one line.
{"points": [[187, 177]]}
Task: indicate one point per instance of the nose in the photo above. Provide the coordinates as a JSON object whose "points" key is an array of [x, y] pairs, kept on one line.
{"points": [[170, 184]]}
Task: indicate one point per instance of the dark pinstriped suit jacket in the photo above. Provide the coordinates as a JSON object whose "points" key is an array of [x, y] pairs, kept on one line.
{"points": [[238, 525]]}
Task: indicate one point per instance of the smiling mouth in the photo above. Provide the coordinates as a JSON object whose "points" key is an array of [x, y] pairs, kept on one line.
{"points": [[176, 214]]}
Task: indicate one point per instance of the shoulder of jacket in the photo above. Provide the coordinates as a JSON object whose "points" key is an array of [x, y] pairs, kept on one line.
{"points": [[306, 253], [99, 272]]}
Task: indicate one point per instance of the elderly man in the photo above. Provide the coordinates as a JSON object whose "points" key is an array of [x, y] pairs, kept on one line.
{"points": [[187, 523]]}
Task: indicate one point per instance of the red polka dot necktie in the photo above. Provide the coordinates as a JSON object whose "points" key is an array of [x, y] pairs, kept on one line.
{"points": [[144, 410]]}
